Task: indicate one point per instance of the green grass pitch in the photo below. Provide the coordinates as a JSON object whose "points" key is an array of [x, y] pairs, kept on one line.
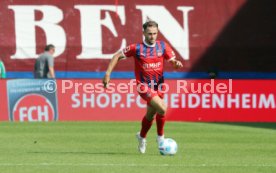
{"points": [[111, 147]]}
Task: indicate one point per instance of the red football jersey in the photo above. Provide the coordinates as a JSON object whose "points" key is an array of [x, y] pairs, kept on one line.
{"points": [[149, 60]]}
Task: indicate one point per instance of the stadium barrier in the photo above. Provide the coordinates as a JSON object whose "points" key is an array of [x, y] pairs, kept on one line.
{"points": [[85, 100]]}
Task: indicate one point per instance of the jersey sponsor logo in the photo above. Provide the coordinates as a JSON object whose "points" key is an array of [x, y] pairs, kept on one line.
{"points": [[152, 65]]}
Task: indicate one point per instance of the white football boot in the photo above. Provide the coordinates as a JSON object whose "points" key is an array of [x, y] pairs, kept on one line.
{"points": [[159, 139], [141, 143]]}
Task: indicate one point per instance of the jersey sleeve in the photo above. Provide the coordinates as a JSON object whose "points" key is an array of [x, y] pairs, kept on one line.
{"points": [[50, 61], [169, 53], [129, 51]]}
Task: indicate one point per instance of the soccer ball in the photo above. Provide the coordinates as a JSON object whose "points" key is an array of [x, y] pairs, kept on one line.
{"points": [[168, 147]]}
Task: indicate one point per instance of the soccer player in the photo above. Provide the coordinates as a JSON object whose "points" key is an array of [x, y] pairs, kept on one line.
{"points": [[44, 64], [148, 57]]}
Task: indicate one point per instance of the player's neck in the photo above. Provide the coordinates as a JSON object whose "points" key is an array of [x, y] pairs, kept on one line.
{"points": [[149, 45]]}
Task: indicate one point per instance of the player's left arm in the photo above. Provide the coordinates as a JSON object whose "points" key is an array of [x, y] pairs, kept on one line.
{"points": [[176, 63], [170, 56]]}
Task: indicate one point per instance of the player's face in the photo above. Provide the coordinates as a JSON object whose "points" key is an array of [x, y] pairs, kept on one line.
{"points": [[151, 35]]}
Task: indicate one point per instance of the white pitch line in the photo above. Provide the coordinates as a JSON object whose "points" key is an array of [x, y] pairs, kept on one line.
{"points": [[133, 165]]}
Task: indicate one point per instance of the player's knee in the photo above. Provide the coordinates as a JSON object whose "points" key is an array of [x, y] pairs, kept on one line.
{"points": [[150, 117], [162, 110]]}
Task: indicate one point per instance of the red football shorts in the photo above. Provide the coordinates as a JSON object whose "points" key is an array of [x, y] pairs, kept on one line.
{"points": [[148, 93]]}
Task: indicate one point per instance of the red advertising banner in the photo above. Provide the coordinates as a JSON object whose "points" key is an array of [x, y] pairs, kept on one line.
{"points": [[187, 100], [4, 115]]}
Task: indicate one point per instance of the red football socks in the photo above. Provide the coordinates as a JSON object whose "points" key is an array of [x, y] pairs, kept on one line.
{"points": [[146, 125], [160, 123]]}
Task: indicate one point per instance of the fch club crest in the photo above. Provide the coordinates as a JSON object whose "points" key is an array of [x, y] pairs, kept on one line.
{"points": [[32, 100]]}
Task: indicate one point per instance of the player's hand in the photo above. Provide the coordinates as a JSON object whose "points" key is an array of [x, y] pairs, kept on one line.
{"points": [[106, 80], [178, 64]]}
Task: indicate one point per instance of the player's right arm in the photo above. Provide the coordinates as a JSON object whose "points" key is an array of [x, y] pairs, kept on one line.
{"points": [[129, 51], [51, 66], [115, 59], [52, 72]]}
